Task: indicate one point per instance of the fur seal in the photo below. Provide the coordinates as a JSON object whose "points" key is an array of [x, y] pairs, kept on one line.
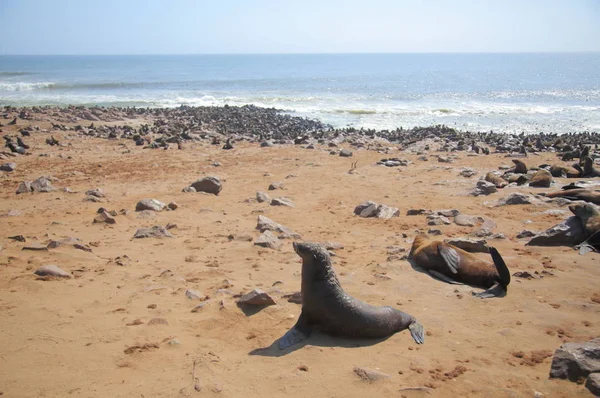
{"points": [[327, 307], [577, 194], [451, 264], [590, 219], [495, 179], [588, 168]]}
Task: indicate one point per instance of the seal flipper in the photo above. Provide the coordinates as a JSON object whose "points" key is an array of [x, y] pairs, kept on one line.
{"points": [[416, 331], [297, 334], [497, 290], [450, 256], [501, 267]]}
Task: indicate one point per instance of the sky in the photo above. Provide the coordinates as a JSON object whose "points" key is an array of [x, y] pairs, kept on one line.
{"points": [[297, 26]]}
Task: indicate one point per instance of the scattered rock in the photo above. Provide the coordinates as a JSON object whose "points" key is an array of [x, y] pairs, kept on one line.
{"points": [[370, 375], [154, 232], [194, 295], [267, 239], [35, 246], [262, 197], [467, 172], [150, 204], [158, 321], [104, 217], [266, 224], [525, 234], [515, 198], [346, 153], [256, 297], [24, 187], [372, 209], [282, 201], [575, 361], [42, 184], [466, 221], [8, 166], [189, 190], [97, 192], [52, 270], [208, 184], [275, 185], [593, 384], [568, 233], [484, 188]]}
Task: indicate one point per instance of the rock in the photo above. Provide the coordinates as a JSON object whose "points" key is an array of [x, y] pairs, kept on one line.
{"points": [[575, 361], [154, 232], [57, 243], [189, 189], [369, 375], [52, 270], [42, 184], [433, 232], [8, 166], [437, 220], [208, 184], [104, 217], [97, 192], [24, 187], [470, 245], [172, 206], [346, 153], [149, 204], [193, 295], [256, 297], [266, 224], [366, 209], [466, 221], [416, 212], [568, 233], [448, 212], [282, 201], [267, 239], [515, 198], [386, 212], [485, 188], [295, 298], [541, 179], [593, 384], [467, 172], [275, 185], [93, 199], [525, 234], [262, 197], [157, 322]]}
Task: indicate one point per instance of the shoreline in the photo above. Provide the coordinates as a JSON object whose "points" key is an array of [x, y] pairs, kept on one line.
{"points": [[253, 121]]}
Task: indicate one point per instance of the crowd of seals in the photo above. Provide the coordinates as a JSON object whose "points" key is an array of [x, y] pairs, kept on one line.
{"points": [[327, 307], [451, 264]]}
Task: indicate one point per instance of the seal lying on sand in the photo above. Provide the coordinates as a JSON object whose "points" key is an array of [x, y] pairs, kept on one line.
{"points": [[590, 219], [327, 307], [577, 194], [454, 265]]}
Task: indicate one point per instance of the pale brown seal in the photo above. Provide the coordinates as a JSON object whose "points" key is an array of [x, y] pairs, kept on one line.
{"points": [[590, 219], [327, 307], [451, 264]]}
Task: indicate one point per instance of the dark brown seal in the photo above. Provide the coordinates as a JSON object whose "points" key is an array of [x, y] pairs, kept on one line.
{"points": [[327, 307], [577, 194], [451, 264]]}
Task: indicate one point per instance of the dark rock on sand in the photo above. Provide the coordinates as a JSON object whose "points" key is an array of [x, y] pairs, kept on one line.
{"points": [[8, 166], [154, 232], [575, 361], [52, 270], [268, 240], [568, 233], [208, 184], [150, 204], [256, 297]]}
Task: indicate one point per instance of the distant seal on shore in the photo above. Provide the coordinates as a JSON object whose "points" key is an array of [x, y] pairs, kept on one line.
{"points": [[577, 194], [327, 307], [451, 264], [588, 168]]}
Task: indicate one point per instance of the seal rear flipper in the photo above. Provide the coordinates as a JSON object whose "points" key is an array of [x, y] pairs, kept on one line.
{"points": [[417, 333], [501, 267], [437, 275], [291, 337], [450, 256], [495, 291]]}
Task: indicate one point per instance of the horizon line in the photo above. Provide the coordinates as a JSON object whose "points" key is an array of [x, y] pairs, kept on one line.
{"points": [[302, 53]]}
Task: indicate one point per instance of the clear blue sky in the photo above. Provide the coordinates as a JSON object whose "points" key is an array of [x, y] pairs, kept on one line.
{"points": [[295, 26]]}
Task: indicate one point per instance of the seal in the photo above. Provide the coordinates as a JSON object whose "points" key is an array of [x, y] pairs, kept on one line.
{"points": [[327, 307], [451, 264], [590, 219], [577, 194], [588, 168]]}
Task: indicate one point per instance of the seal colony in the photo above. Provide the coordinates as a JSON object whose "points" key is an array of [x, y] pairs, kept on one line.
{"points": [[327, 307]]}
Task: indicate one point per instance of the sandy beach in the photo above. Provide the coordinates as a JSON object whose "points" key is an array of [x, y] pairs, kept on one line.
{"points": [[123, 326]]}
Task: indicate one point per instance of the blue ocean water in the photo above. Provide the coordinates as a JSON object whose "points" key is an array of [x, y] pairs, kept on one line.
{"points": [[477, 92]]}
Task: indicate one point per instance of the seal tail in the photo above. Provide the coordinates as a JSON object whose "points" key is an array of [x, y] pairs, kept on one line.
{"points": [[501, 267]]}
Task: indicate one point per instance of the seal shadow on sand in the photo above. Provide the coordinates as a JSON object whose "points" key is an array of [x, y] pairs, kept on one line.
{"points": [[317, 339], [497, 292]]}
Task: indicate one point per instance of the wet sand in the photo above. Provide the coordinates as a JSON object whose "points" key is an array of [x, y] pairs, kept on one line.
{"points": [[123, 326]]}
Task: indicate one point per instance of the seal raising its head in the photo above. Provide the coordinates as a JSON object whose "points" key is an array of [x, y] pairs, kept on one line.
{"points": [[453, 265], [327, 307], [590, 219]]}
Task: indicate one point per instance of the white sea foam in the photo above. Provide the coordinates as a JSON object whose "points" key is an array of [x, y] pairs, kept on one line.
{"points": [[24, 86]]}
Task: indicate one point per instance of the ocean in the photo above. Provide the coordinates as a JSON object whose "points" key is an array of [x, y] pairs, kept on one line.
{"points": [[478, 92]]}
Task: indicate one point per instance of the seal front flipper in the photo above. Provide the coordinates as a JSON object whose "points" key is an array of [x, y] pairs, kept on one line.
{"points": [[417, 333], [501, 268], [296, 334], [450, 256]]}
